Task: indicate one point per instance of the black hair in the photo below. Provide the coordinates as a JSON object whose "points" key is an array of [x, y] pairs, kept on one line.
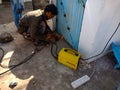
{"points": [[51, 8]]}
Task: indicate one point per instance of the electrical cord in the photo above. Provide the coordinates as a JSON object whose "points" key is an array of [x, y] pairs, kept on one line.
{"points": [[36, 50], [14, 66], [105, 45], [55, 55], [93, 70], [1, 57]]}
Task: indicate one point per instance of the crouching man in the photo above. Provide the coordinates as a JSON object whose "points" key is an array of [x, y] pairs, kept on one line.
{"points": [[33, 24]]}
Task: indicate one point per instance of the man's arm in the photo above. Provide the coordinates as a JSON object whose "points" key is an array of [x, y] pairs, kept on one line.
{"points": [[33, 28]]}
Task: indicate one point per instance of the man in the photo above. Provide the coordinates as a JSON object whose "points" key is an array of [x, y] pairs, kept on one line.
{"points": [[33, 24], [17, 7]]}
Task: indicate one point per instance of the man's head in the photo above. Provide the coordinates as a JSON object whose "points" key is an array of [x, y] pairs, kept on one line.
{"points": [[50, 11]]}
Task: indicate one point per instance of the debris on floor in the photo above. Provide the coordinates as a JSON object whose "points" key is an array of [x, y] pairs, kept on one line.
{"points": [[12, 84], [6, 37]]}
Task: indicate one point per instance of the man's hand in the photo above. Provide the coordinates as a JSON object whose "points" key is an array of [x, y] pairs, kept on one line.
{"points": [[52, 37], [49, 36]]}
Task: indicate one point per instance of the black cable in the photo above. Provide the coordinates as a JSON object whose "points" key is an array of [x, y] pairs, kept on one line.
{"points": [[105, 45], [1, 57], [55, 55], [24, 61], [14, 66]]}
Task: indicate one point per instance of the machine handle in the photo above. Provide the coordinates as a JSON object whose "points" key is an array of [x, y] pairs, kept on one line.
{"points": [[71, 51]]}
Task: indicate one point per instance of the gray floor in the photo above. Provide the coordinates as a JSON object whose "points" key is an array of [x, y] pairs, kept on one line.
{"points": [[43, 72]]}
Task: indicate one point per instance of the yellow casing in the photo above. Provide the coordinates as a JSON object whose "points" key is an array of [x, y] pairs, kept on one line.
{"points": [[69, 57]]}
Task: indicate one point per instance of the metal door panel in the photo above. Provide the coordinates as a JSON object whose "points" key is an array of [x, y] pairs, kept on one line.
{"points": [[69, 20]]}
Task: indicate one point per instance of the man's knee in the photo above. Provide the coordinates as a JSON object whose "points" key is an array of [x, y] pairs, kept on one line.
{"points": [[21, 30]]}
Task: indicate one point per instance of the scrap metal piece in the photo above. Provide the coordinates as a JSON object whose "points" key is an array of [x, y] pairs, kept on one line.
{"points": [[13, 84], [5, 37]]}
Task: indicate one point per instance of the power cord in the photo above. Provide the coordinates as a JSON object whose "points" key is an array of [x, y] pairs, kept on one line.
{"points": [[55, 55], [1, 57], [36, 50], [14, 66], [105, 45]]}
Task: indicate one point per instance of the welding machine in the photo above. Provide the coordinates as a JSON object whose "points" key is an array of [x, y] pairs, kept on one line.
{"points": [[69, 57]]}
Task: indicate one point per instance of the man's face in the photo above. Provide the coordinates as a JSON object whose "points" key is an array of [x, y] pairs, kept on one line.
{"points": [[49, 15]]}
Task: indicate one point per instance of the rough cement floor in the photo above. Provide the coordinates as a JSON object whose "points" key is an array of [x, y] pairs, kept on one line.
{"points": [[43, 72]]}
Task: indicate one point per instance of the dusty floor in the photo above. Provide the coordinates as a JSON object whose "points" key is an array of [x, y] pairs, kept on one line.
{"points": [[43, 72]]}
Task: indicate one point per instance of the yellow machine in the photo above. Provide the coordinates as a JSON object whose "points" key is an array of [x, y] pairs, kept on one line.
{"points": [[69, 57]]}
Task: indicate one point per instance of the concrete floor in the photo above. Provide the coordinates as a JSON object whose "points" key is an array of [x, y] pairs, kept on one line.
{"points": [[43, 72]]}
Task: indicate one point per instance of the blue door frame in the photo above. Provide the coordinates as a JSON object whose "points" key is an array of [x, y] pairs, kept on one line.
{"points": [[69, 20]]}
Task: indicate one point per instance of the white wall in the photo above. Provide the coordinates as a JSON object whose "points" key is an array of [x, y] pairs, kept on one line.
{"points": [[0, 1], [100, 20]]}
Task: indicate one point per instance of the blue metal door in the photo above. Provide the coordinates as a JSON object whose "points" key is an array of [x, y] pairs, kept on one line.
{"points": [[69, 20]]}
